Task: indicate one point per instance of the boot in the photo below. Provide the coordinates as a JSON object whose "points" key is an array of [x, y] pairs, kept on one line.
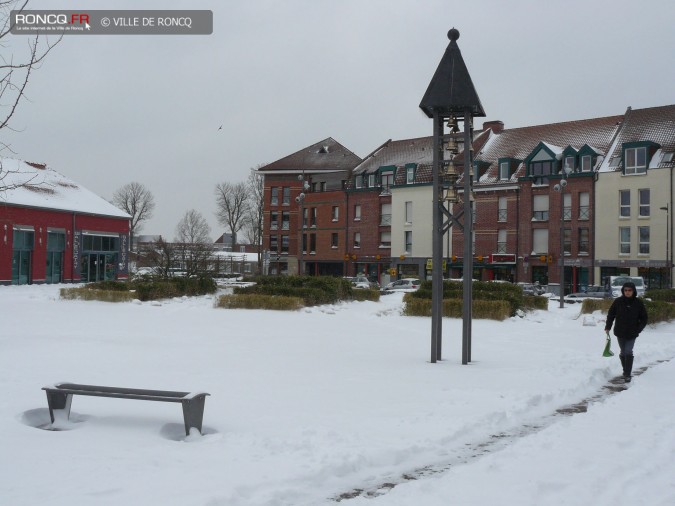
{"points": [[623, 362], [627, 367]]}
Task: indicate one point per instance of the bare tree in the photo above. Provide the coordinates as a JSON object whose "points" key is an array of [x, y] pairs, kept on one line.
{"points": [[138, 202], [254, 216], [232, 204], [194, 246], [15, 72], [160, 256]]}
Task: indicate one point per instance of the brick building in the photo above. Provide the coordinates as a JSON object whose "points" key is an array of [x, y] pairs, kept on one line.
{"points": [[53, 230]]}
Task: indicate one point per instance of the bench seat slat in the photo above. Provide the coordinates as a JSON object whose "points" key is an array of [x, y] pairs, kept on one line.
{"points": [[118, 390]]}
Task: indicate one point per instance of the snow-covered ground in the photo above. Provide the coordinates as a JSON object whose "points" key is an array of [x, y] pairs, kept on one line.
{"points": [[309, 406]]}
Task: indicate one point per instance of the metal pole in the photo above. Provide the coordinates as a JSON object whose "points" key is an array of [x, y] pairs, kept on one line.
{"points": [[436, 275], [468, 244], [562, 244]]}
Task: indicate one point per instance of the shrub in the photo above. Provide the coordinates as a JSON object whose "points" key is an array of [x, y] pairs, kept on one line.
{"points": [[666, 295], [481, 290], [534, 302], [313, 290], [452, 308], [86, 293], [258, 301], [657, 310], [360, 295], [145, 289]]}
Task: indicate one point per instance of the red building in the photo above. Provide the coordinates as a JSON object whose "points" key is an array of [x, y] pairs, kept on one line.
{"points": [[305, 210], [52, 230]]}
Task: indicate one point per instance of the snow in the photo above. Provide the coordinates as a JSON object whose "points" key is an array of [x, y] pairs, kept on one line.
{"points": [[46, 188], [311, 405]]}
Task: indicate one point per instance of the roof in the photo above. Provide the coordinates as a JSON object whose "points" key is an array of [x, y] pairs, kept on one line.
{"points": [[451, 90], [655, 124], [323, 156], [37, 185], [397, 153], [518, 143]]}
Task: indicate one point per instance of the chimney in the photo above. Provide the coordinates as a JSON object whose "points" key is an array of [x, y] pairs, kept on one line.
{"points": [[496, 126]]}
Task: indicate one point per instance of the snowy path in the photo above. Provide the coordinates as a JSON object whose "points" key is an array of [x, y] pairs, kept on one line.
{"points": [[496, 442]]}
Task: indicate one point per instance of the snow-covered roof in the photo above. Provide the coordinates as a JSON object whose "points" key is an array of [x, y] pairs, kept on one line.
{"points": [[37, 185]]}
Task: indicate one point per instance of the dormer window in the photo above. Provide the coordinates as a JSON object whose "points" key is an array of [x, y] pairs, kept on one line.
{"points": [[409, 175], [359, 181], [371, 181], [586, 163], [570, 162], [541, 170], [636, 161], [543, 162], [504, 172]]}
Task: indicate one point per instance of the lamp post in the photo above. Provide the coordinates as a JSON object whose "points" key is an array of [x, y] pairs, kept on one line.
{"points": [[560, 187], [667, 210], [300, 199]]}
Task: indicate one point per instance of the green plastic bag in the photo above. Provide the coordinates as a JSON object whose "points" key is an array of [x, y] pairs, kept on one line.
{"points": [[608, 347]]}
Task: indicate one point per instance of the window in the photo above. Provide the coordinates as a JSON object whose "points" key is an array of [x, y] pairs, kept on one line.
{"points": [[567, 241], [643, 235], [274, 200], [335, 214], [567, 206], [312, 221], [540, 171], [385, 215], [569, 162], [586, 163], [359, 181], [304, 243], [274, 243], [408, 242], [385, 239], [540, 208], [357, 239], [624, 203], [501, 240], [504, 171], [636, 161], [305, 215], [501, 213], [285, 220], [312, 243], [583, 240], [322, 186], [371, 181], [584, 206], [357, 212], [410, 175], [22, 256], [540, 241], [286, 195], [408, 212], [643, 202], [624, 240], [387, 180], [274, 220], [284, 244], [334, 240]]}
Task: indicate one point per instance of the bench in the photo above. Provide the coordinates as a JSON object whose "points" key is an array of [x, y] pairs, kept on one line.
{"points": [[60, 396]]}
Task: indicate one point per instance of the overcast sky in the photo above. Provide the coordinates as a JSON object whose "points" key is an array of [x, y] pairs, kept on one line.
{"points": [[281, 75]]}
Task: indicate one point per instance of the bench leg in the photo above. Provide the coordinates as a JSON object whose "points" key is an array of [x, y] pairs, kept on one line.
{"points": [[193, 413], [59, 401]]}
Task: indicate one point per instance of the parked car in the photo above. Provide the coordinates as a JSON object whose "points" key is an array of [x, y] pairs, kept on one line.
{"points": [[360, 282], [404, 284], [532, 289], [595, 291]]}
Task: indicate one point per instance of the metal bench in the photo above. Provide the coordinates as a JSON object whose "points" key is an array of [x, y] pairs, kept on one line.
{"points": [[60, 396]]}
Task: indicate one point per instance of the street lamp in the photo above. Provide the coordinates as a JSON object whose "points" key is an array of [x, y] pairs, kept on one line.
{"points": [[667, 210], [561, 189], [300, 199]]}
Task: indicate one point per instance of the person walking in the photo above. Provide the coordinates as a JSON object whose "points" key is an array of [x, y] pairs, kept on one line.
{"points": [[631, 318]]}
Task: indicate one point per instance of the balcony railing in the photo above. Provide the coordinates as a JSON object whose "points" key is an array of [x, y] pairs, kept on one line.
{"points": [[584, 212], [501, 215], [385, 220]]}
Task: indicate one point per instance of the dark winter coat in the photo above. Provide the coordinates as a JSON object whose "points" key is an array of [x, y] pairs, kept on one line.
{"points": [[630, 315]]}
